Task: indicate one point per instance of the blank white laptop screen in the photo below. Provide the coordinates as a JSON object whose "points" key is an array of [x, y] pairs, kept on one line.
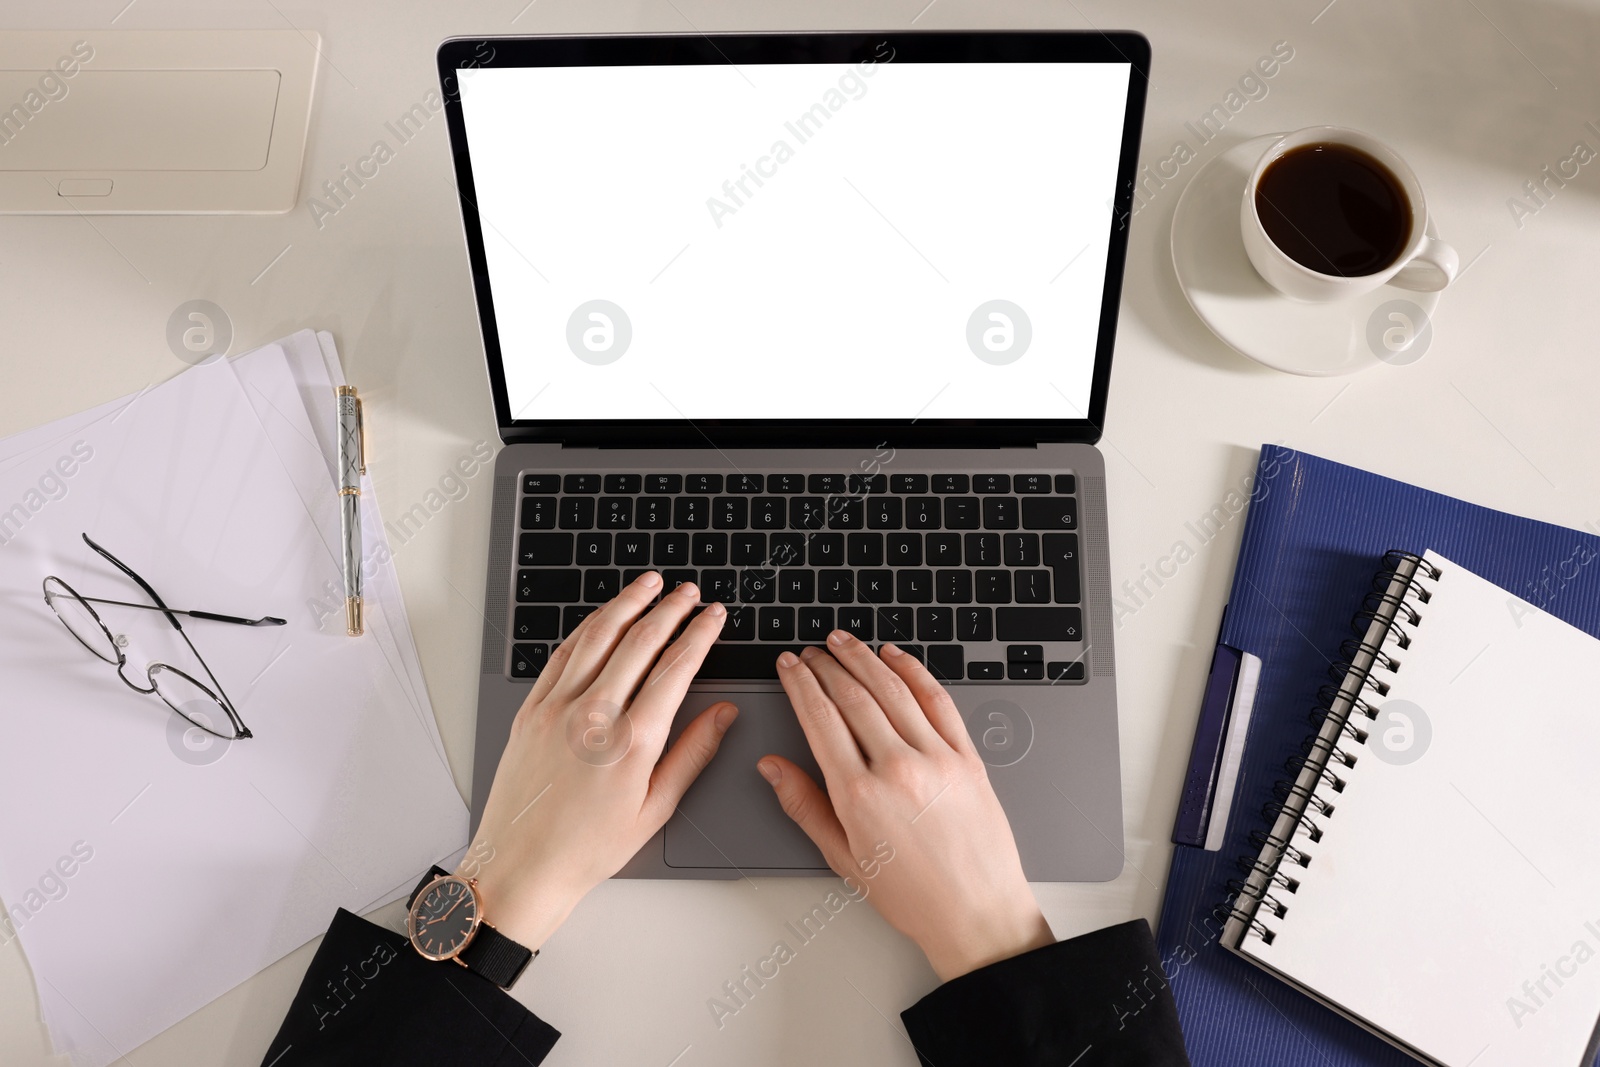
{"points": [[797, 241]]}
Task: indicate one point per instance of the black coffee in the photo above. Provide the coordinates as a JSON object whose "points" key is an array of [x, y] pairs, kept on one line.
{"points": [[1334, 209]]}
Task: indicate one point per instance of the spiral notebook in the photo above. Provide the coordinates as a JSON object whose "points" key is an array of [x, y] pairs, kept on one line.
{"points": [[1430, 873]]}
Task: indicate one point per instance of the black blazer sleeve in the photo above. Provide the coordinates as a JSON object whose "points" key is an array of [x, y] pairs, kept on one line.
{"points": [[1100, 1000], [369, 998]]}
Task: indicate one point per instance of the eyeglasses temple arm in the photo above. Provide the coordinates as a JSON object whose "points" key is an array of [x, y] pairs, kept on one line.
{"points": [[265, 620]]}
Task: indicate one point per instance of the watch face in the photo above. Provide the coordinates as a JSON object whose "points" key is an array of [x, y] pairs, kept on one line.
{"points": [[444, 918]]}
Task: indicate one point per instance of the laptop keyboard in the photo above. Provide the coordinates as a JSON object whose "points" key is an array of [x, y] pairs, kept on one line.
{"points": [[976, 575]]}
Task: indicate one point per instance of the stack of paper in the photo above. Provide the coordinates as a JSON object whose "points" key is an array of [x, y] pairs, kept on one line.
{"points": [[146, 867]]}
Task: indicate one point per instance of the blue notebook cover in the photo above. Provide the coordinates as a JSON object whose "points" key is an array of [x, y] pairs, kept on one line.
{"points": [[1314, 538]]}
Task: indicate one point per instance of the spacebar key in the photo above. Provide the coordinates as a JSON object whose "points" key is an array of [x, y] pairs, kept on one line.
{"points": [[1038, 624], [737, 662]]}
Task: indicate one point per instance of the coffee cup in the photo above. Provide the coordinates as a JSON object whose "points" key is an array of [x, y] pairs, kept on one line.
{"points": [[1330, 213]]}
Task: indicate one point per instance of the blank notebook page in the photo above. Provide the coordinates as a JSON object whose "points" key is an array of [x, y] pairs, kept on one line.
{"points": [[1453, 902]]}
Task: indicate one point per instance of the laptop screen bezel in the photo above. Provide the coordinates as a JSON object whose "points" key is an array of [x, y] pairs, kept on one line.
{"points": [[842, 48]]}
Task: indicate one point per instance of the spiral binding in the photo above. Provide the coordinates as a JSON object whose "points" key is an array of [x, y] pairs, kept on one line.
{"points": [[1304, 802]]}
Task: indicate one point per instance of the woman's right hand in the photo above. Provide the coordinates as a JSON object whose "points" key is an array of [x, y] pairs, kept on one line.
{"points": [[909, 813]]}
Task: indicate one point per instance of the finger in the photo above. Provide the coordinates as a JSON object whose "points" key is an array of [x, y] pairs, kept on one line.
{"points": [[934, 699], [593, 642], [684, 761], [641, 645], [663, 691], [810, 809], [830, 739], [886, 688], [856, 705]]}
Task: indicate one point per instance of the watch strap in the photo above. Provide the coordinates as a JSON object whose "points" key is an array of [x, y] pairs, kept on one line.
{"points": [[490, 954]]}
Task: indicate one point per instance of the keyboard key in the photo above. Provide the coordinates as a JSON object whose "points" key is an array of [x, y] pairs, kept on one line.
{"points": [[897, 624], [616, 512], [1024, 653], [836, 587], [776, 624], [914, 651], [974, 624], [539, 513], [922, 513], [1025, 672], [594, 550], [885, 513], [1066, 483], [986, 672], [788, 550], [671, 578], [944, 549], [745, 483], [767, 513], [993, 587], [991, 483], [823, 484], [908, 483], [548, 586], [536, 622], [983, 550], [815, 624], [709, 549], [1039, 624], [671, 549], [528, 660], [1061, 556], [758, 586], [786, 483], [1065, 672], [577, 512], [846, 513], [740, 625], [825, 550], [953, 587], [1021, 549], [601, 585], [951, 483], [1050, 513], [864, 550], [742, 662], [945, 662], [936, 624], [857, 622], [1031, 483], [631, 549], [748, 550], [961, 513], [1030, 587], [663, 483], [807, 513], [691, 512], [541, 483], [730, 513], [914, 587], [633, 574], [573, 614], [875, 587], [1000, 513], [544, 550], [581, 483], [653, 513], [905, 550], [797, 587], [719, 586], [631, 484], [862, 484], [703, 483]]}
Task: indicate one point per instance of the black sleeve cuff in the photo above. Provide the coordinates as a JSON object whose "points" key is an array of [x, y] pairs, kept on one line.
{"points": [[1100, 1000], [369, 998]]}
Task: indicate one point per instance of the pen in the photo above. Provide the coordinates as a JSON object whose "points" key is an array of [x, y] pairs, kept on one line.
{"points": [[352, 465]]}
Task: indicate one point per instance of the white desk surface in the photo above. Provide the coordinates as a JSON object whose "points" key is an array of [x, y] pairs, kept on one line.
{"points": [[1479, 96]]}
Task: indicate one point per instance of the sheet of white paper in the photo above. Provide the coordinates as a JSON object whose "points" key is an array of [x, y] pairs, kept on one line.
{"points": [[192, 865]]}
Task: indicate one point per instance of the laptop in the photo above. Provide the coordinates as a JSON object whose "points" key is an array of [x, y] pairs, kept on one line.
{"points": [[823, 323]]}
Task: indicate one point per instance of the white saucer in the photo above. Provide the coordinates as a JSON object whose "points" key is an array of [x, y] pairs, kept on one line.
{"points": [[1388, 325]]}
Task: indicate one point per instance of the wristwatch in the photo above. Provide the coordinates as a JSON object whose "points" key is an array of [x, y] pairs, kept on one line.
{"points": [[445, 922]]}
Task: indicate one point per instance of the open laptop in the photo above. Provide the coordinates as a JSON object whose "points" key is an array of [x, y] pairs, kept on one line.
{"points": [[824, 323]]}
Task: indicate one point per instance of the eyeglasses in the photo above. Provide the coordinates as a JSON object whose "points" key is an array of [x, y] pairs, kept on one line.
{"points": [[181, 691]]}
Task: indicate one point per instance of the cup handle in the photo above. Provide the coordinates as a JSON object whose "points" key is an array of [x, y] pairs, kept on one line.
{"points": [[1431, 269]]}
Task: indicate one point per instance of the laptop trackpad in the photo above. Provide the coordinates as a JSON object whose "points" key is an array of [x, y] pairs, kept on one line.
{"points": [[730, 817]]}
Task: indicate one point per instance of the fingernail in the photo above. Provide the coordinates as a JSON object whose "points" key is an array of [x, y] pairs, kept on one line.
{"points": [[787, 659], [810, 652], [716, 611], [770, 771], [649, 579], [892, 650], [726, 716], [837, 638], [689, 589]]}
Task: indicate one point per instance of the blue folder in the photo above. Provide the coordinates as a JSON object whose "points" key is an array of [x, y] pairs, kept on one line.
{"points": [[1314, 538]]}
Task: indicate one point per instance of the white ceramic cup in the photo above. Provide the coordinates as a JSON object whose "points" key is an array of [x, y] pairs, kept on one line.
{"points": [[1425, 264]]}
